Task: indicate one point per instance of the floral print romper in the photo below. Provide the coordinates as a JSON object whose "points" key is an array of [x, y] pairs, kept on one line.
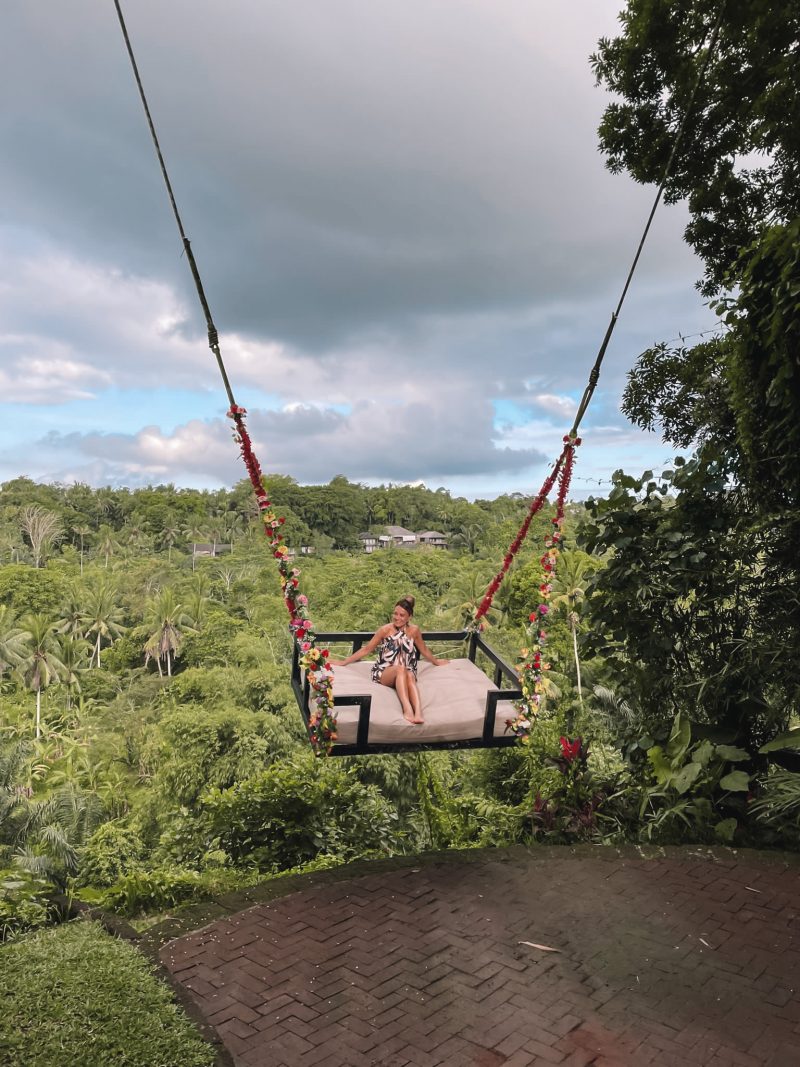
{"points": [[396, 648]]}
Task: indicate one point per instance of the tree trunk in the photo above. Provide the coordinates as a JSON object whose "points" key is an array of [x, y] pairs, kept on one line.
{"points": [[38, 714], [577, 658]]}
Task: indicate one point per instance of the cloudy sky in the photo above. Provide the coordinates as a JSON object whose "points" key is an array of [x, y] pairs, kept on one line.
{"points": [[406, 233]]}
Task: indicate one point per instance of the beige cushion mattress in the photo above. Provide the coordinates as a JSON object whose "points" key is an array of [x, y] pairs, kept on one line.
{"points": [[453, 704]]}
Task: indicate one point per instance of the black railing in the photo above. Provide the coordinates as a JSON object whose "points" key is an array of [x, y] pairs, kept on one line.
{"points": [[356, 639]]}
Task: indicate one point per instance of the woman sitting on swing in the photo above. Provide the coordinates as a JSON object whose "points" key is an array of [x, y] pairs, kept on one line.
{"points": [[399, 645]]}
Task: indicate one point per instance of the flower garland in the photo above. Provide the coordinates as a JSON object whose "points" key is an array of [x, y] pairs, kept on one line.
{"points": [[314, 661], [532, 666], [522, 533]]}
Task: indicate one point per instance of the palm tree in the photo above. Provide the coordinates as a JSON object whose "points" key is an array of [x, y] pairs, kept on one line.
{"points": [[107, 544], [167, 616], [41, 665], [81, 531], [106, 502], [195, 532], [233, 524], [101, 618], [13, 758], [72, 653], [197, 609], [47, 833], [444, 514], [168, 536], [113, 790], [74, 766], [465, 595], [201, 584], [134, 533], [569, 592], [71, 621], [468, 536], [216, 531], [12, 640]]}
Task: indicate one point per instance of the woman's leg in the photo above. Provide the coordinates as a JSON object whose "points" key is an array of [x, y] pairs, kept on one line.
{"points": [[396, 677], [413, 697]]}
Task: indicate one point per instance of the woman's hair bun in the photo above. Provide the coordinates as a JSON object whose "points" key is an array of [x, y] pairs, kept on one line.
{"points": [[406, 602]]}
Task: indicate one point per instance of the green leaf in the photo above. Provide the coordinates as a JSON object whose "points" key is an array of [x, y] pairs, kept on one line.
{"points": [[732, 753], [679, 739], [736, 782], [703, 753], [791, 739], [687, 776], [661, 767], [725, 830]]}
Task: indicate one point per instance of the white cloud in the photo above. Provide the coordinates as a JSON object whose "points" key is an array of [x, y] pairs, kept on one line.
{"points": [[562, 406], [446, 435], [50, 377], [398, 210]]}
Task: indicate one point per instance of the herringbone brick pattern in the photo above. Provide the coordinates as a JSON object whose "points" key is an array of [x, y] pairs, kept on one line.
{"points": [[679, 960]]}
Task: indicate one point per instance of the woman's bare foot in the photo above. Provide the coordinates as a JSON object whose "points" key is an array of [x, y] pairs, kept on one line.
{"points": [[418, 720]]}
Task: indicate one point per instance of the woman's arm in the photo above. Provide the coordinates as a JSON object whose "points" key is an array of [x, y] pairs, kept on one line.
{"points": [[363, 651], [424, 651]]}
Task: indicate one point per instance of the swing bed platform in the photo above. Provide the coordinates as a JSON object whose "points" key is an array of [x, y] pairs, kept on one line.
{"points": [[462, 707]]}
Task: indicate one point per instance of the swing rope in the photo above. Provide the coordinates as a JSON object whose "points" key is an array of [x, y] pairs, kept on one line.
{"points": [[571, 439], [322, 723], [594, 373]]}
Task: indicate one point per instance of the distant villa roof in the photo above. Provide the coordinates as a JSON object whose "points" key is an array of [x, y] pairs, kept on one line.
{"points": [[431, 533]]}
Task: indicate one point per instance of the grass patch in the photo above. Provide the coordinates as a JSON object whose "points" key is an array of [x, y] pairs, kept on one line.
{"points": [[75, 995]]}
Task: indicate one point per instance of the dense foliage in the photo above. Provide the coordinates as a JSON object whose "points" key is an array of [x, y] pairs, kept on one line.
{"points": [[150, 748], [699, 603]]}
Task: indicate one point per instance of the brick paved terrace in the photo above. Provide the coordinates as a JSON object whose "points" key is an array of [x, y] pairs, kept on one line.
{"points": [[686, 957]]}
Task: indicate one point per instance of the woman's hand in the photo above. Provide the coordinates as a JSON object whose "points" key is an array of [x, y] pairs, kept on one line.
{"points": [[337, 662], [440, 662]]}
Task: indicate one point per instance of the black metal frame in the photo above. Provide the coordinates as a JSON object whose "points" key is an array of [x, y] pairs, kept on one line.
{"points": [[475, 644]]}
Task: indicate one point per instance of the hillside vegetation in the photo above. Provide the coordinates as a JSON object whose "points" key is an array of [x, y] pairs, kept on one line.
{"points": [[151, 751]]}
